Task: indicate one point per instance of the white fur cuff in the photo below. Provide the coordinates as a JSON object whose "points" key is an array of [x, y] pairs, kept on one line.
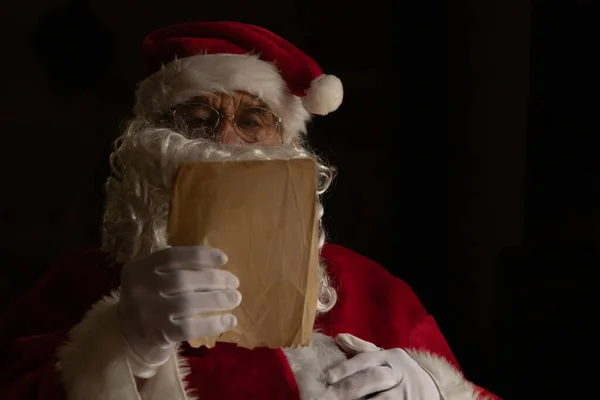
{"points": [[93, 363], [450, 381]]}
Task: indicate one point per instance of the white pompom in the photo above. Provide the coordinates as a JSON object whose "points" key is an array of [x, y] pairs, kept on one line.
{"points": [[324, 95]]}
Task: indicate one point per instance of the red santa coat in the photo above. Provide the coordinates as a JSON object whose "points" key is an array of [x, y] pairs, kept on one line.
{"points": [[62, 341]]}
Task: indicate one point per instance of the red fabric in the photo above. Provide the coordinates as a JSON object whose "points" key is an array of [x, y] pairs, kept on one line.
{"points": [[385, 311], [261, 373], [38, 323], [372, 305], [185, 40]]}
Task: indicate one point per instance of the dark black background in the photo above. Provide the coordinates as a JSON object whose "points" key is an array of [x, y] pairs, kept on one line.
{"points": [[466, 146]]}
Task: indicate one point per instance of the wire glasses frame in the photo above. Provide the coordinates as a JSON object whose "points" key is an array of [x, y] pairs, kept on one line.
{"points": [[256, 123]]}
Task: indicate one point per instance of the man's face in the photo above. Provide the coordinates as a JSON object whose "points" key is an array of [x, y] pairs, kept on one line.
{"points": [[219, 127], [237, 118]]}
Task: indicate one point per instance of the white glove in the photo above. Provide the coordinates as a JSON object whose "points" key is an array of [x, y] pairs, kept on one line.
{"points": [[161, 296], [387, 374]]}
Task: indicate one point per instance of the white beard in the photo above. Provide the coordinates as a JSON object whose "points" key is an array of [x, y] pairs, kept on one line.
{"points": [[144, 164]]}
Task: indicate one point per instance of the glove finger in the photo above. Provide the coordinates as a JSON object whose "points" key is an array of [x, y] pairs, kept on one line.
{"points": [[189, 304], [354, 365], [352, 345], [367, 382], [394, 394], [198, 327], [188, 257], [178, 281]]}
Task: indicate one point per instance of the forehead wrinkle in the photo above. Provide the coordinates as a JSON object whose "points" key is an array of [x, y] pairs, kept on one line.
{"points": [[234, 100]]}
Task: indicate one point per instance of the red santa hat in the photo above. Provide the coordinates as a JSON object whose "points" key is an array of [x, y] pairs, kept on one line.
{"points": [[195, 59]]}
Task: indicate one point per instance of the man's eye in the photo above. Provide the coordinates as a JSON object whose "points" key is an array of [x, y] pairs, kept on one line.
{"points": [[248, 124]]}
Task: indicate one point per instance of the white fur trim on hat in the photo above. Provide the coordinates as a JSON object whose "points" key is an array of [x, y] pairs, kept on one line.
{"points": [[201, 75], [324, 95]]}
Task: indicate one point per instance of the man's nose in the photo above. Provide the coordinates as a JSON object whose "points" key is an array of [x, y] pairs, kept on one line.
{"points": [[226, 132]]}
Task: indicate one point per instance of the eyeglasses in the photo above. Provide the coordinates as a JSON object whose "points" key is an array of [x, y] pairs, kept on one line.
{"points": [[255, 123]]}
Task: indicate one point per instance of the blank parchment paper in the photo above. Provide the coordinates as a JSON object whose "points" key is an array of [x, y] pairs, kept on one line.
{"points": [[262, 214]]}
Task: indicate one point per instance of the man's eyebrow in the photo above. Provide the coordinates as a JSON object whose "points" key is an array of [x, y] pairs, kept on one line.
{"points": [[246, 101]]}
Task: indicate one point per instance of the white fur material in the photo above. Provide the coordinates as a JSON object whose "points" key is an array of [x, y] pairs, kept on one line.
{"points": [[450, 381], [309, 365], [201, 75], [325, 95], [93, 364]]}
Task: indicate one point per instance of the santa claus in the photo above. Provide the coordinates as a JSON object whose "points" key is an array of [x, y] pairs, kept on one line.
{"points": [[114, 323]]}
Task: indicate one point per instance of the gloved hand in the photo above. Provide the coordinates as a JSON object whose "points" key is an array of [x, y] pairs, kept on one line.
{"points": [[161, 296], [387, 374]]}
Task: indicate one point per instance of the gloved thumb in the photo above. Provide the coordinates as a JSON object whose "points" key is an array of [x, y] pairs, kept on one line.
{"points": [[352, 345]]}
